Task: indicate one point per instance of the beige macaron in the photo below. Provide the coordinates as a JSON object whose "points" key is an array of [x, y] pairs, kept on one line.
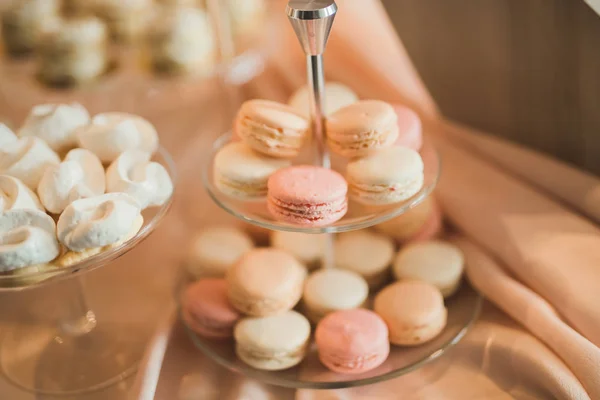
{"points": [[367, 253], [362, 128], [333, 289], [242, 172], [214, 250], [272, 128], [308, 248], [265, 282], [413, 311], [337, 96], [436, 262]]}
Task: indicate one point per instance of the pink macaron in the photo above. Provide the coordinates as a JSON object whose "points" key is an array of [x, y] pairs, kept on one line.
{"points": [[410, 131], [307, 195], [206, 309], [352, 341]]}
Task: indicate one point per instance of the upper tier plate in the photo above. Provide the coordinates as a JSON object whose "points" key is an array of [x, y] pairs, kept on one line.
{"points": [[358, 216]]}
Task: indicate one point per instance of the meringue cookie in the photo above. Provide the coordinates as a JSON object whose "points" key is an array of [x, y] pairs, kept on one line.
{"points": [[15, 195], [146, 181], [98, 221], [6, 135], [27, 237], [112, 133], [27, 159], [56, 124], [80, 175]]}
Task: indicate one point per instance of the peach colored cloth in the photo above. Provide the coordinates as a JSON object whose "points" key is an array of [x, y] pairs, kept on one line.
{"points": [[533, 257]]}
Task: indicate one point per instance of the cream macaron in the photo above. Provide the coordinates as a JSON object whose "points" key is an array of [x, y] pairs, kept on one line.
{"points": [[406, 226], [305, 247], [242, 172], [436, 262], [413, 311], [271, 128], [389, 176], [214, 250], [367, 253], [337, 96], [362, 128], [272, 343], [333, 289], [265, 282]]}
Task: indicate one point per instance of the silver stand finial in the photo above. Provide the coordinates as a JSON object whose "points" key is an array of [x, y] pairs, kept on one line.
{"points": [[312, 21]]}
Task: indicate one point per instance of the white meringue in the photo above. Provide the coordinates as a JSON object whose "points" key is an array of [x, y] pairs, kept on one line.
{"points": [[6, 135], [27, 237], [15, 195], [27, 159], [80, 175], [146, 181], [98, 221], [110, 134], [56, 124]]}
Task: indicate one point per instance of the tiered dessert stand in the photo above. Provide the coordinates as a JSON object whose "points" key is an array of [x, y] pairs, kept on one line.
{"points": [[312, 22], [53, 343]]}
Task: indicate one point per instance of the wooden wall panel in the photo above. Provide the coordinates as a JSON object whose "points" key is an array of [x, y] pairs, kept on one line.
{"points": [[528, 70]]}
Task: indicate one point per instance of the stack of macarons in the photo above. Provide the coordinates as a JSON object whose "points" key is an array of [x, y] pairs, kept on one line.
{"points": [[380, 141], [266, 300]]}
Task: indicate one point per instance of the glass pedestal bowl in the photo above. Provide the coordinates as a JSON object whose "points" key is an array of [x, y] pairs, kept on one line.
{"points": [[52, 342]]}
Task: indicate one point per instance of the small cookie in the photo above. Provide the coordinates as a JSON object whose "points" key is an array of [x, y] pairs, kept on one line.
{"points": [[243, 173], [206, 309], [271, 128], [307, 195], [362, 128], [272, 343], [413, 311], [410, 130], [352, 341], [337, 96], [436, 262], [305, 247], [265, 282], [214, 250], [389, 176], [366, 253], [331, 289]]}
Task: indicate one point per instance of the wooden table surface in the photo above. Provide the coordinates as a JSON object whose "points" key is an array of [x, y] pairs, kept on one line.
{"points": [[526, 70]]}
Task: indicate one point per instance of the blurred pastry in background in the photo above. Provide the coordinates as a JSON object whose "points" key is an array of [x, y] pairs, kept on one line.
{"points": [[24, 22], [182, 42], [127, 20], [190, 3], [422, 222], [74, 53]]}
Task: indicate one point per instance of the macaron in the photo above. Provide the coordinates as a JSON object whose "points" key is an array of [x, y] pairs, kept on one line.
{"points": [[272, 128], [241, 172], [331, 289], [352, 341], [362, 128], [436, 262], [336, 96], [207, 311], [265, 282], [433, 227], [367, 253], [214, 250], [410, 129], [307, 195], [413, 311], [272, 343], [305, 247], [389, 176], [423, 220]]}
